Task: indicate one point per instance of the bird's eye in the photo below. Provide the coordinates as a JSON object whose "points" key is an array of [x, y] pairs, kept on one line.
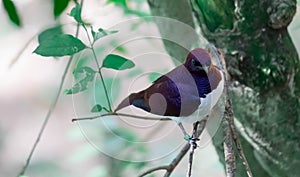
{"points": [[193, 61], [196, 63]]}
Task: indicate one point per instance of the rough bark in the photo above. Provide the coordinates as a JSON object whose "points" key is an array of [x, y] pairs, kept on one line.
{"points": [[265, 73]]}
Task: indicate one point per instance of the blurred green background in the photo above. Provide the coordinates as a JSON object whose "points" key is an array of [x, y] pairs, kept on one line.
{"points": [[99, 148]]}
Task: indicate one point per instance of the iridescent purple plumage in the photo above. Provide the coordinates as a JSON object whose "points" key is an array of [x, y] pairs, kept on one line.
{"points": [[179, 92]]}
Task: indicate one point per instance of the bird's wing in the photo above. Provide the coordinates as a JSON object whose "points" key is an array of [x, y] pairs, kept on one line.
{"points": [[162, 85], [142, 98], [169, 96]]}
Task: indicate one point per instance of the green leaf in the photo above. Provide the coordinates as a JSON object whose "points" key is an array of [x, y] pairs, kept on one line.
{"points": [[59, 45], [81, 63], [49, 33], [121, 49], [119, 2], [59, 7], [83, 84], [117, 62], [127, 10], [118, 47], [101, 33], [76, 13], [97, 108], [11, 10]]}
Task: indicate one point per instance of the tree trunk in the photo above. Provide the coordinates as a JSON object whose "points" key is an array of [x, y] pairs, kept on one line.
{"points": [[265, 74]]}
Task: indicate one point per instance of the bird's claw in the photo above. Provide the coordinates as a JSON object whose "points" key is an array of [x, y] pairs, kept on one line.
{"points": [[192, 141]]}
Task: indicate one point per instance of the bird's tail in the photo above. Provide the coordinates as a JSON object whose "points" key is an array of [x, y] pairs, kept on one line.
{"points": [[129, 100], [123, 104]]}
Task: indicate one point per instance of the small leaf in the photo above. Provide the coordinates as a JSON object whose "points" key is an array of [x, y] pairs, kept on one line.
{"points": [[83, 84], [59, 45], [11, 10], [121, 49], [85, 69], [101, 33], [97, 108], [49, 33], [76, 13], [60, 6], [80, 63], [119, 2], [117, 62]]}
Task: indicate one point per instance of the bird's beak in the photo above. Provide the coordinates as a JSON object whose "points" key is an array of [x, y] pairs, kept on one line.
{"points": [[205, 68]]}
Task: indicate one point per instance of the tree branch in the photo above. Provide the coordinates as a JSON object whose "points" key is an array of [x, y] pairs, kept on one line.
{"points": [[228, 123], [170, 168], [231, 133], [166, 167], [120, 114], [239, 147], [193, 147], [230, 161]]}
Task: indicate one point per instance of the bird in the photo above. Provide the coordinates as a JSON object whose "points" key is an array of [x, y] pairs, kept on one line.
{"points": [[186, 94]]}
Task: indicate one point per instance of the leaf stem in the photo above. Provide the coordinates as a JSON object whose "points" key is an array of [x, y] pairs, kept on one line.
{"points": [[99, 68]]}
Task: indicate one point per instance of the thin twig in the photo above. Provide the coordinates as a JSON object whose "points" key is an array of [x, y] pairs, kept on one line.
{"points": [[193, 147], [17, 57], [189, 172], [120, 114], [177, 159], [52, 106], [166, 167], [170, 168]]}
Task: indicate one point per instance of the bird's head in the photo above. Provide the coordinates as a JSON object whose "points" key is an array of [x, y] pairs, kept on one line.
{"points": [[198, 61]]}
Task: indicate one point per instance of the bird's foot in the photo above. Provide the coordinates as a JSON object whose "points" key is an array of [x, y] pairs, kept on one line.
{"points": [[193, 142], [191, 139]]}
